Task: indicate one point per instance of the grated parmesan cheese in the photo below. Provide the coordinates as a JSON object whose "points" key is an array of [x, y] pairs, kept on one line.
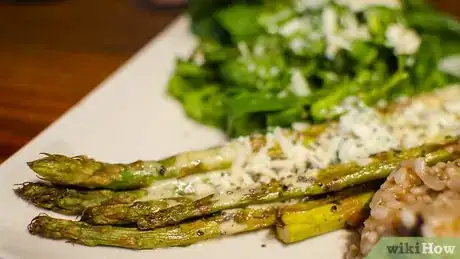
{"points": [[359, 133], [272, 22], [450, 65], [297, 44], [299, 85], [230, 227], [337, 39], [404, 41], [292, 26], [300, 126], [302, 5], [427, 118]]}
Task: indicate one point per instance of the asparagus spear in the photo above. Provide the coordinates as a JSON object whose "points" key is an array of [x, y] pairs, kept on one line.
{"points": [[124, 214], [333, 178], [296, 223], [82, 171], [72, 201], [228, 222]]}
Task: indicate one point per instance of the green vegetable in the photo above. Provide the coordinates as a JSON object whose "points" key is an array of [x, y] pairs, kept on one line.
{"points": [[180, 235], [71, 201], [224, 223], [206, 105], [430, 21], [286, 117], [204, 24], [333, 178], [254, 49], [89, 173], [325, 108], [429, 56], [383, 92], [82, 171], [378, 19], [178, 87], [252, 105], [297, 223], [363, 52], [239, 20], [125, 213]]}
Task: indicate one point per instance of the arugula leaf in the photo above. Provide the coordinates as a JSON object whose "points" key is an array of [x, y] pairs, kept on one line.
{"points": [[263, 71], [206, 105], [427, 58], [363, 52], [204, 23], [430, 21], [324, 108], [208, 28], [189, 69], [240, 21], [251, 105], [286, 117], [247, 102], [178, 87]]}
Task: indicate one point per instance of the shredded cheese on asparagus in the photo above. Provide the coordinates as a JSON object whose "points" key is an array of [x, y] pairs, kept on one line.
{"points": [[360, 132]]}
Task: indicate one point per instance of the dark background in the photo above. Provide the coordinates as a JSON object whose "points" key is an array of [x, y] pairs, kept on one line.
{"points": [[52, 53]]}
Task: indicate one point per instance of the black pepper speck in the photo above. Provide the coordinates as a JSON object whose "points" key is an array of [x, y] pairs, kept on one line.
{"points": [[302, 179], [162, 171], [276, 170], [334, 208]]}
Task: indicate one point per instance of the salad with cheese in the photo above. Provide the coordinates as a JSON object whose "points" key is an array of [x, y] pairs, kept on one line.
{"points": [[261, 64]]}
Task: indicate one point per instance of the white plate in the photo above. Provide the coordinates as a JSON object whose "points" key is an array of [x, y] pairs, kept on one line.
{"points": [[129, 117]]}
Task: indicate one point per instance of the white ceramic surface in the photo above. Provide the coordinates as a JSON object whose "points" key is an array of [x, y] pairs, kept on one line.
{"points": [[129, 117]]}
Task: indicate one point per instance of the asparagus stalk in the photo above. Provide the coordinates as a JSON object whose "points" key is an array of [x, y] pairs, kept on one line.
{"points": [[296, 223], [82, 171], [226, 223], [72, 201], [333, 178], [125, 214]]}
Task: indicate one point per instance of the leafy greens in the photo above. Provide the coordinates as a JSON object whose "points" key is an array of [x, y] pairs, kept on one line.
{"points": [[275, 62]]}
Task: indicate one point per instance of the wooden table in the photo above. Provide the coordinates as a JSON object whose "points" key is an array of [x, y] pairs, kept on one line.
{"points": [[52, 54]]}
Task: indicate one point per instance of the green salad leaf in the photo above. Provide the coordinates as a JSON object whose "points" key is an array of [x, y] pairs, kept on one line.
{"points": [[270, 63]]}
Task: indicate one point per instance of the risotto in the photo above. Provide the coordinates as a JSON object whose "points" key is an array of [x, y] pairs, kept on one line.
{"points": [[415, 200]]}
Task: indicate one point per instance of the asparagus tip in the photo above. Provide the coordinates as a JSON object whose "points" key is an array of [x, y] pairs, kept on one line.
{"points": [[54, 167], [46, 226], [30, 190], [38, 224], [42, 195]]}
